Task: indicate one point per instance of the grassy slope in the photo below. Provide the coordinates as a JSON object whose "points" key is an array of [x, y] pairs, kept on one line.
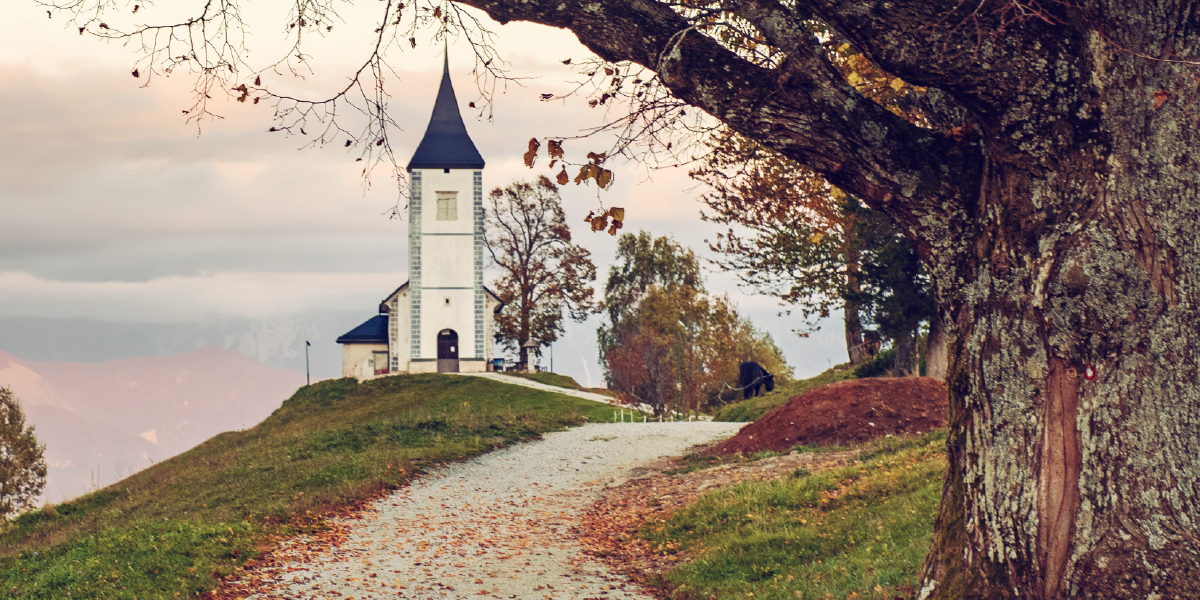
{"points": [[176, 527], [862, 531], [752, 409], [554, 379]]}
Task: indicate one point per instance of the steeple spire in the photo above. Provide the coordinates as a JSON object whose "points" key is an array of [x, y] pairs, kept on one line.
{"points": [[446, 144]]}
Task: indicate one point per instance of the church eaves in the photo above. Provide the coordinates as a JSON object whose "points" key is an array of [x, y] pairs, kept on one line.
{"points": [[446, 144]]}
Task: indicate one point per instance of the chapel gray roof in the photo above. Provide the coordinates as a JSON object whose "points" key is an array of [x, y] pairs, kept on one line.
{"points": [[446, 144]]}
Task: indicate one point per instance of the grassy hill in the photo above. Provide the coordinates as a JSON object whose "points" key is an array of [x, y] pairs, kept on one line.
{"points": [[176, 528], [752, 409], [860, 531]]}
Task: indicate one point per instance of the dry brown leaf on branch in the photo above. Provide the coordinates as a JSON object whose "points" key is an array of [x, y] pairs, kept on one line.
{"points": [[563, 178], [603, 178], [600, 222], [584, 173], [554, 149], [531, 154]]}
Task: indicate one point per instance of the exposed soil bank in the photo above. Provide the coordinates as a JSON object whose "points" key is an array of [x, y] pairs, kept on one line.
{"points": [[845, 412]]}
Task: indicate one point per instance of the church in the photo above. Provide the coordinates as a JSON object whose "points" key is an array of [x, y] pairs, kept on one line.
{"points": [[440, 320]]}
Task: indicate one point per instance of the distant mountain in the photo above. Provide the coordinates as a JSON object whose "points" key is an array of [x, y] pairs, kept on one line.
{"points": [[276, 341], [103, 421]]}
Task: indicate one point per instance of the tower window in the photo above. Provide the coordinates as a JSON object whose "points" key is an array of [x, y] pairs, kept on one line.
{"points": [[447, 301], [445, 170], [447, 206]]}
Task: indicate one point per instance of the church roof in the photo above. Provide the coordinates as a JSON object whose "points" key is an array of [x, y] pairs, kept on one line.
{"points": [[374, 330], [383, 305], [446, 144]]}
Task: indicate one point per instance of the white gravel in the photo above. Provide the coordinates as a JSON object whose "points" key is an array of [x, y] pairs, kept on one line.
{"points": [[495, 526]]}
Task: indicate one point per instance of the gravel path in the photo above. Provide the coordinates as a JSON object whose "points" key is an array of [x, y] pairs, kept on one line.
{"points": [[496, 526], [537, 385]]}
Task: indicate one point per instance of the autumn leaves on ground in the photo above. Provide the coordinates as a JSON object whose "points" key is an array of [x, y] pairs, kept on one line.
{"points": [[840, 522]]}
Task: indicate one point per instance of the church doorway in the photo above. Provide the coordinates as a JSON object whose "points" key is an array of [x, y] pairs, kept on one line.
{"points": [[447, 351]]}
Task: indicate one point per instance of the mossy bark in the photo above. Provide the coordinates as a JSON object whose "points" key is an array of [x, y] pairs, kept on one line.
{"points": [[1059, 217]]}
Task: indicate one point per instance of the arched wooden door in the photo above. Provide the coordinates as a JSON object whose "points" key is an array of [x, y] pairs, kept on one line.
{"points": [[447, 351]]}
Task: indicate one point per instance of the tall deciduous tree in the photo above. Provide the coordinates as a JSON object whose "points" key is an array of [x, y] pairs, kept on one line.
{"points": [[679, 350], [543, 274], [642, 261], [1052, 194], [22, 458], [664, 341], [805, 242]]}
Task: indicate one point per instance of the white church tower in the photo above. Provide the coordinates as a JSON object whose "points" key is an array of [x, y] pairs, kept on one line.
{"points": [[441, 319]]}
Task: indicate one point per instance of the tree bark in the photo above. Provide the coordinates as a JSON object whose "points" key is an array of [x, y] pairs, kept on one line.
{"points": [[1061, 228], [856, 347], [906, 356], [935, 350]]}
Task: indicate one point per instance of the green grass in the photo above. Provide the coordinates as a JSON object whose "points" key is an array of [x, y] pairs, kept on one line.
{"points": [[863, 529], [753, 408], [181, 525], [554, 379]]}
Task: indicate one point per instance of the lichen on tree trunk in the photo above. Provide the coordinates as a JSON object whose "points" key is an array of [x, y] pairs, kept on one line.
{"points": [[1074, 411], [1058, 217]]}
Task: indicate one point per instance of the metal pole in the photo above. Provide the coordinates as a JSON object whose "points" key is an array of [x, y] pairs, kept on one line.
{"points": [[307, 372], [551, 358]]}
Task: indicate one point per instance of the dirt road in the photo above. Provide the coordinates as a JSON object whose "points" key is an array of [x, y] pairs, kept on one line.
{"points": [[496, 526]]}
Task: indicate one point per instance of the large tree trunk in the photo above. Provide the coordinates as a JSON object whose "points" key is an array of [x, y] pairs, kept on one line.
{"points": [[1074, 408], [1060, 222]]}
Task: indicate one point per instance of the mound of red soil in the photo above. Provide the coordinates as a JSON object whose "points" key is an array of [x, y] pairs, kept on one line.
{"points": [[849, 411]]}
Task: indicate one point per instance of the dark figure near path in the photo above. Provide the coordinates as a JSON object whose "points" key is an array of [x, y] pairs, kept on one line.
{"points": [[752, 377]]}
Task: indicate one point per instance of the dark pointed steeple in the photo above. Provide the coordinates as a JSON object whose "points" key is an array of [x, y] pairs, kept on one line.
{"points": [[446, 144]]}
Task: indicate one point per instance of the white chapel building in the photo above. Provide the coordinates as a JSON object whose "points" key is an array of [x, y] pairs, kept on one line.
{"points": [[440, 320]]}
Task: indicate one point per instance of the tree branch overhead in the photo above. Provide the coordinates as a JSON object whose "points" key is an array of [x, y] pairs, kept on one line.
{"points": [[803, 109]]}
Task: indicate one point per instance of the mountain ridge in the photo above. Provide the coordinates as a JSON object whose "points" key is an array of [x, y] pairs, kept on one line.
{"points": [[103, 421]]}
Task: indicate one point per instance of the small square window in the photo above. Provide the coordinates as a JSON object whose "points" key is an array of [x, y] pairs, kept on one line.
{"points": [[447, 301], [447, 206]]}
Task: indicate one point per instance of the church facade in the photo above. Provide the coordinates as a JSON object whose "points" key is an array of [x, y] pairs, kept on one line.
{"points": [[441, 319]]}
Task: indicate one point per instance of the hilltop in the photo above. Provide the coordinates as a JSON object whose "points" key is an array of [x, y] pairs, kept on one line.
{"points": [[181, 525]]}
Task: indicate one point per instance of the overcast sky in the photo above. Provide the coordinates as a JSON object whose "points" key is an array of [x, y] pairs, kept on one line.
{"points": [[112, 207]]}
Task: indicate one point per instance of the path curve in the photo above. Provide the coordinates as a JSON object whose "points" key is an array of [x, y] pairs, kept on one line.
{"points": [[537, 385], [496, 526]]}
